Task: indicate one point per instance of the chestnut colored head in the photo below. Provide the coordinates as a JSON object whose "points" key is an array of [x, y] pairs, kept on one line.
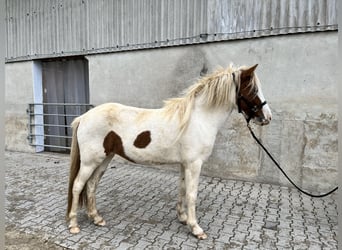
{"points": [[250, 99]]}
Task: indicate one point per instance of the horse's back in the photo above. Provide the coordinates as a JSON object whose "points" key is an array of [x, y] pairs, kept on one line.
{"points": [[99, 121], [112, 115]]}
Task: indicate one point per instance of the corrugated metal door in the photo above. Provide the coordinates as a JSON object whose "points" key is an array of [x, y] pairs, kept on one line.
{"points": [[64, 81]]}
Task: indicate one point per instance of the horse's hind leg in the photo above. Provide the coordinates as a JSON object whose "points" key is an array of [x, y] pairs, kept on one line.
{"points": [[91, 190], [81, 179]]}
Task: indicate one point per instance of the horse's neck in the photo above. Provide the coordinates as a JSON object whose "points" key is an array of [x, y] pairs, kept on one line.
{"points": [[213, 118]]}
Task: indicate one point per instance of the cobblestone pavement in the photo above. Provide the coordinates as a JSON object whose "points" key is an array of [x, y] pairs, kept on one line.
{"points": [[139, 205]]}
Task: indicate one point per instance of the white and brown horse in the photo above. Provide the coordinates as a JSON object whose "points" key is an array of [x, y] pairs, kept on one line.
{"points": [[183, 131]]}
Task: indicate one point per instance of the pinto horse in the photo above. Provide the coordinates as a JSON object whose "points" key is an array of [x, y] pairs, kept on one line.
{"points": [[182, 131]]}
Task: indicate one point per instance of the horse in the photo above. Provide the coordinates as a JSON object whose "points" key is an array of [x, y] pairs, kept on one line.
{"points": [[183, 131]]}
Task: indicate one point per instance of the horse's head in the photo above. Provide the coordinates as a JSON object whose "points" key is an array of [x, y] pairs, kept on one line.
{"points": [[250, 99]]}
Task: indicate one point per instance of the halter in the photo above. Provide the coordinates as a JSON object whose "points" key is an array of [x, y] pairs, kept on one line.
{"points": [[253, 108]]}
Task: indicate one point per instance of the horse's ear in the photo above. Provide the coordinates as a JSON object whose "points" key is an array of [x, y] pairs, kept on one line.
{"points": [[247, 73]]}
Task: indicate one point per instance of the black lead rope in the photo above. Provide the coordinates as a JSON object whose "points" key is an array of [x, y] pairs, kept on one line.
{"points": [[277, 164]]}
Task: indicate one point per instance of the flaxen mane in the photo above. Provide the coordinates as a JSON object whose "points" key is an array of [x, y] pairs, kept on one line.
{"points": [[217, 90]]}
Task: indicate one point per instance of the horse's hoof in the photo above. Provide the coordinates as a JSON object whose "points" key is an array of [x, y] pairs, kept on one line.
{"points": [[101, 223], [201, 236], [74, 230]]}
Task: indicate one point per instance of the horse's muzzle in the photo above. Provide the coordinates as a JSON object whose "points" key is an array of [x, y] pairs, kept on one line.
{"points": [[261, 121]]}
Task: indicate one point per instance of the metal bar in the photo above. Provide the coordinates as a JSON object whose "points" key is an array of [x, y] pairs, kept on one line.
{"points": [[62, 115], [50, 125], [62, 104], [49, 146], [53, 136]]}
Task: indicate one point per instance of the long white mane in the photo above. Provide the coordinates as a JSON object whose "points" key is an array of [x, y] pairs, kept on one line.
{"points": [[216, 90]]}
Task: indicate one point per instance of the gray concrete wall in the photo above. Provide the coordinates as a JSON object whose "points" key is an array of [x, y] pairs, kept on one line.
{"points": [[298, 76], [299, 80], [18, 93]]}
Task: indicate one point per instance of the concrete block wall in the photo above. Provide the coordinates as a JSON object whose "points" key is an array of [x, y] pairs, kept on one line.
{"points": [[299, 81]]}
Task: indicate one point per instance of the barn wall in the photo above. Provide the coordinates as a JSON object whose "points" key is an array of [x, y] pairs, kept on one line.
{"points": [[44, 29], [18, 93], [298, 76]]}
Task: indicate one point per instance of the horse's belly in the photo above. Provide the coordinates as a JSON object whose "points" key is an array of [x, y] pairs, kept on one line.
{"points": [[150, 156]]}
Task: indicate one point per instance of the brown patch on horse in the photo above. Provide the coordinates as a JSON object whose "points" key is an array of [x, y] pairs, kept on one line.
{"points": [[143, 139], [112, 144]]}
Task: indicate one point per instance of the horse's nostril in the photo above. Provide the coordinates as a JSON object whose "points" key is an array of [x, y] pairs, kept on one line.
{"points": [[265, 121]]}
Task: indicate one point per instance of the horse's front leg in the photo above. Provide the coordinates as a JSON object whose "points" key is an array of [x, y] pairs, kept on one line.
{"points": [[181, 205], [192, 174]]}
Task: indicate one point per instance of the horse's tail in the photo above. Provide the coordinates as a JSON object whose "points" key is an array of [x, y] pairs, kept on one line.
{"points": [[75, 162]]}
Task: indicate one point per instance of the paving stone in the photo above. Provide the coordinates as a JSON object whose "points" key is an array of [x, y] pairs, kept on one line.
{"points": [[141, 212], [240, 237], [142, 244], [284, 224], [232, 219], [228, 229], [186, 246], [283, 242], [298, 223], [179, 239], [271, 225], [224, 237], [214, 230], [298, 232], [254, 236], [124, 246], [251, 245], [284, 232], [234, 245], [242, 227]]}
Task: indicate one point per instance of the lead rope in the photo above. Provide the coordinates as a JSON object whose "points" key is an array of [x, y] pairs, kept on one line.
{"points": [[277, 164]]}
